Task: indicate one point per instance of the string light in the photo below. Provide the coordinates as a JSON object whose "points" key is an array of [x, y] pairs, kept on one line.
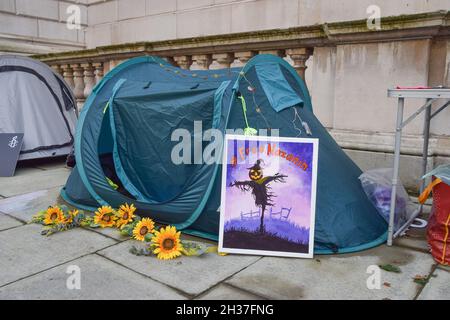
{"points": [[252, 89], [296, 115]]}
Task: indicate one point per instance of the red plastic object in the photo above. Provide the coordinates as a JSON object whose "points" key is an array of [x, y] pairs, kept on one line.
{"points": [[412, 88], [438, 233]]}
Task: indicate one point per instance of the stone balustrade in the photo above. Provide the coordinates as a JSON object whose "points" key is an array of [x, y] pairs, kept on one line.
{"points": [[82, 69], [83, 74]]}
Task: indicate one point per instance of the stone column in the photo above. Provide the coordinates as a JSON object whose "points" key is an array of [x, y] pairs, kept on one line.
{"points": [[78, 80], [221, 61], [202, 61], [68, 75], [89, 79], [242, 58], [98, 71], [184, 62], [299, 57]]}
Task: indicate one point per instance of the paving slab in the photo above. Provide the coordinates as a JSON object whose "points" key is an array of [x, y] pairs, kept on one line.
{"points": [[438, 287], [111, 233], [336, 277], [24, 206], [51, 164], [36, 180], [8, 222], [192, 275], [23, 171], [225, 292], [446, 268], [415, 238], [24, 251], [99, 279]]}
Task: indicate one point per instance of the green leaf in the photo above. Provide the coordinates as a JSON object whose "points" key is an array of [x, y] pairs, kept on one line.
{"points": [[390, 268], [38, 217], [79, 218], [123, 232], [196, 249], [423, 280], [140, 251], [148, 237]]}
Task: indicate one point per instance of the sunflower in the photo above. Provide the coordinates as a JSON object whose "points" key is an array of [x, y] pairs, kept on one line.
{"points": [[167, 243], [104, 216], [143, 227], [71, 214], [126, 215], [53, 215]]}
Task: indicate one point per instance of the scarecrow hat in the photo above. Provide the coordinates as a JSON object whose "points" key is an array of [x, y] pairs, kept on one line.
{"points": [[257, 165]]}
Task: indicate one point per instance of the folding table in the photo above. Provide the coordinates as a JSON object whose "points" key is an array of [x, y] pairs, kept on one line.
{"points": [[431, 95]]}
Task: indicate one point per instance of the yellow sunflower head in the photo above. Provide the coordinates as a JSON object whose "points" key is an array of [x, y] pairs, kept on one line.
{"points": [[167, 243], [53, 215], [72, 214], [146, 225], [125, 214], [104, 217]]}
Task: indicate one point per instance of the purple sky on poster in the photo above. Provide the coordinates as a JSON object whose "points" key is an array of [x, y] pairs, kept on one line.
{"points": [[295, 193]]}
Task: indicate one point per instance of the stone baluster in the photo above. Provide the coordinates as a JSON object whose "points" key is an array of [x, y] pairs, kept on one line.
{"points": [[171, 60], [221, 61], [276, 52], [105, 67], [202, 61], [109, 65], [57, 69], [184, 62], [78, 80], [299, 56], [242, 58], [89, 78], [68, 75], [99, 69]]}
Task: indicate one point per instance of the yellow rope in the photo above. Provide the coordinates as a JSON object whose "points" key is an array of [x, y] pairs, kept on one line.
{"points": [[445, 239]]}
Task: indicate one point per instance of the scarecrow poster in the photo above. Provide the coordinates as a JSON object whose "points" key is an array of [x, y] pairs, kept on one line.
{"points": [[268, 196]]}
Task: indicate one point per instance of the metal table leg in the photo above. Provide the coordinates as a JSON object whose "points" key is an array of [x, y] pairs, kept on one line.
{"points": [[426, 139], [398, 138]]}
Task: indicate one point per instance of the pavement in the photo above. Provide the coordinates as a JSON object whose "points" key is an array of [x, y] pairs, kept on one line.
{"points": [[33, 266]]}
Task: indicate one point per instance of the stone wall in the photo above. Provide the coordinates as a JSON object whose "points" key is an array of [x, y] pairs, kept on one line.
{"points": [[122, 21], [349, 84], [39, 26]]}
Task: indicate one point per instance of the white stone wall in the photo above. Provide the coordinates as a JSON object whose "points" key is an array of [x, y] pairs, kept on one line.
{"points": [[349, 83], [349, 91], [122, 21], [39, 26]]}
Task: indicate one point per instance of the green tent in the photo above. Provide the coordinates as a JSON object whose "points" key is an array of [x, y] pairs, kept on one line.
{"points": [[123, 146]]}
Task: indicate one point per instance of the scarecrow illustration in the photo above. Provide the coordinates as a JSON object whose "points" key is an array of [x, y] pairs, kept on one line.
{"points": [[259, 186]]}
